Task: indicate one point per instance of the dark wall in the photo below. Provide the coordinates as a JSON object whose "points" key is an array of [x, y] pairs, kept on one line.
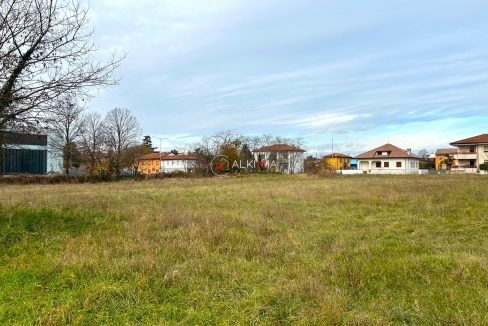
{"points": [[12, 138], [24, 161]]}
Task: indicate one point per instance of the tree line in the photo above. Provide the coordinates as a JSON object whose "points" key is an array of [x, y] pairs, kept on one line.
{"points": [[103, 145]]}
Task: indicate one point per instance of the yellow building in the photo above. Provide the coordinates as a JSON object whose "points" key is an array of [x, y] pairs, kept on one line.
{"points": [[150, 164], [338, 161], [440, 156]]}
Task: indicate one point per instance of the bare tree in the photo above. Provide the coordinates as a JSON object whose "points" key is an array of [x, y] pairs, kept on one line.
{"points": [[223, 139], [92, 140], [65, 122], [122, 130], [45, 52]]}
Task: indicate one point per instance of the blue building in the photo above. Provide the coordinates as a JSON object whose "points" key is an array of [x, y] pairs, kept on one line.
{"points": [[354, 164]]}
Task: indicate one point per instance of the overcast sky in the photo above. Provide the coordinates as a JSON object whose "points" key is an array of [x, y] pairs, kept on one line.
{"points": [[414, 72]]}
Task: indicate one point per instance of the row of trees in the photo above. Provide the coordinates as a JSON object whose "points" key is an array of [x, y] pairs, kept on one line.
{"points": [[102, 145]]}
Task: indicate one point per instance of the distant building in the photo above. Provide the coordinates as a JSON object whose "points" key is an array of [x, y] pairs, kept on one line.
{"points": [[23, 153], [338, 161], [472, 152], [154, 163], [388, 159], [440, 156], [150, 164], [289, 159], [178, 163]]}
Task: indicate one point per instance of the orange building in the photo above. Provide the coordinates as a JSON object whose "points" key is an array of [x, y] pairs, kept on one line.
{"points": [[150, 164], [441, 154]]}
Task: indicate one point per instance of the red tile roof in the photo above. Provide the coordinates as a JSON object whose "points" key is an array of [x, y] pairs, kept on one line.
{"points": [[153, 156], [337, 155], [444, 151], [179, 157], [393, 152], [279, 148], [480, 139]]}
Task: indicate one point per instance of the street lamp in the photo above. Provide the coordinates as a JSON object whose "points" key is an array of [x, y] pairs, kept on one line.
{"points": [[160, 152]]}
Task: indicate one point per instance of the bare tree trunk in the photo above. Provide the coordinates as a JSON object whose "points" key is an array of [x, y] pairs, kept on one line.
{"points": [[2, 151]]}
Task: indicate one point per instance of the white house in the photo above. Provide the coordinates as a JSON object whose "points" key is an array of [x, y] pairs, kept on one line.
{"points": [[388, 159], [178, 163], [282, 158]]}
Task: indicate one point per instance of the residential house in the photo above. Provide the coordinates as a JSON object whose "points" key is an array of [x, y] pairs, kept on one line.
{"points": [[388, 159], [23, 153], [440, 156], [154, 163], [338, 161], [282, 158], [178, 163], [472, 152], [150, 164]]}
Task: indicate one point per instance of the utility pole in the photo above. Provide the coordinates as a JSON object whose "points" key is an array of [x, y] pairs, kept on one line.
{"points": [[332, 143], [160, 152]]}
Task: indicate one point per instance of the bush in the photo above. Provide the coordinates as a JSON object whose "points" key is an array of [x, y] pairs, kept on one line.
{"points": [[484, 167], [51, 179]]}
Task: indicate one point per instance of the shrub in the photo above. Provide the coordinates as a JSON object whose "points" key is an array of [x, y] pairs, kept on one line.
{"points": [[484, 167], [51, 179]]}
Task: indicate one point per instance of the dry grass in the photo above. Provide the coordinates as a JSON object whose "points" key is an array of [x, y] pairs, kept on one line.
{"points": [[360, 250]]}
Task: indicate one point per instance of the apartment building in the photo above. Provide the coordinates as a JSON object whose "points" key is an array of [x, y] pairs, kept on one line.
{"points": [[471, 153]]}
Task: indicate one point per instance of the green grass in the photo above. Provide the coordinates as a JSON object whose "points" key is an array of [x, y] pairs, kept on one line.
{"points": [[365, 250]]}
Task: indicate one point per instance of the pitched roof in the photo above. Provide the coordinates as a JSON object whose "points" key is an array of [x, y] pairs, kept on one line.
{"points": [[153, 156], [483, 138], [279, 148], [337, 155], [179, 157], [393, 152], [444, 151]]}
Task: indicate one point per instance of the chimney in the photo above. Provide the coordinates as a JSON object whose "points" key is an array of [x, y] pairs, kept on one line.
{"points": [[409, 151]]}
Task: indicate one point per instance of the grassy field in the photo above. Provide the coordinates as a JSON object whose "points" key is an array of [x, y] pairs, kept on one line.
{"points": [[254, 250]]}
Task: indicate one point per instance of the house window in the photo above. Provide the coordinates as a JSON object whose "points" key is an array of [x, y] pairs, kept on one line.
{"points": [[472, 149], [399, 164], [378, 164], [486, 149], [386, 164], [472, 163]]}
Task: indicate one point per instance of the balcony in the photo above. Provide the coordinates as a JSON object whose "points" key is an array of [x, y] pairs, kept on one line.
{"points": [[466, 156]]}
